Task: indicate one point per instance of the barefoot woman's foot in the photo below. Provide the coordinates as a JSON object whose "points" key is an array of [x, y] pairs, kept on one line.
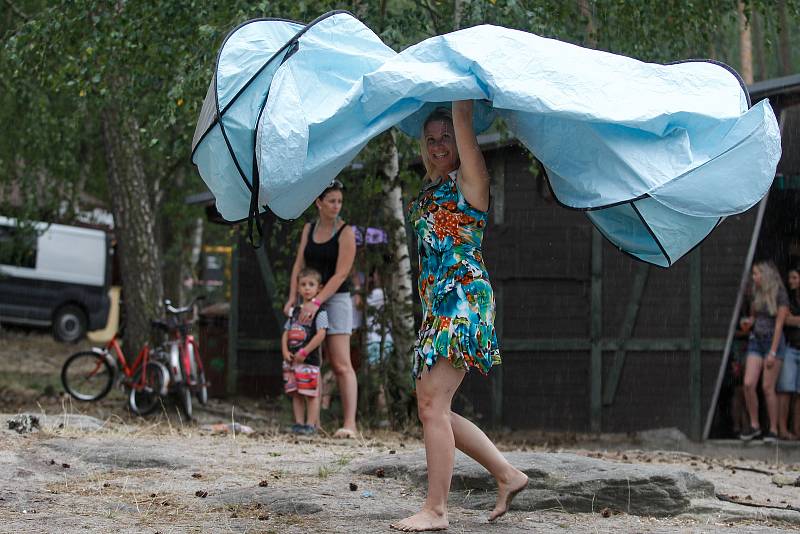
{"points": [[344, 433], [506, 491], [423, 521]]}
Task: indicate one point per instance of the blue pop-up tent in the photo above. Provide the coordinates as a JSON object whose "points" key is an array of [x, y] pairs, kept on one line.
{"points": [[657, 155]]}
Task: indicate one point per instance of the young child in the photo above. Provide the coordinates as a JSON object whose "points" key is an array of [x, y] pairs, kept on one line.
{"points": [[300, 345]]}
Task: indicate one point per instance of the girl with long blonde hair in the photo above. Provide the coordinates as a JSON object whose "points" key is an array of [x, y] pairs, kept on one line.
{"points": [[765, 348]]}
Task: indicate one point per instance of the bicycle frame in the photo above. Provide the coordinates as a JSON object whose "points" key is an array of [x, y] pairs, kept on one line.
{"points": [[121, 362]]}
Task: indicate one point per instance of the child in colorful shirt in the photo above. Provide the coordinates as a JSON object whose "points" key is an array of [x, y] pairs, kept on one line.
{"points": [[300, 345]]}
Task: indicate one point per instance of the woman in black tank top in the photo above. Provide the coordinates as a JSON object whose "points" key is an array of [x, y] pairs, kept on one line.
{"points": [[329, 246]]}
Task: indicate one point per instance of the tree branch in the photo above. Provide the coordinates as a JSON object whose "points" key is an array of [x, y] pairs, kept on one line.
{"points": [[17, 11]]}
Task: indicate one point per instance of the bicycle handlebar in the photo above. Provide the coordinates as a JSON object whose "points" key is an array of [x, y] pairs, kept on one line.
{"points": [[178, 311]]}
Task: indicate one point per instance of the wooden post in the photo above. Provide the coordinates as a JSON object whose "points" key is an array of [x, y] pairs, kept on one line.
{"points": [[269, 282], [596, 333], [498, 205], [695, 335], [625, 332], [499, 186], [497, 372], [233, 322]]}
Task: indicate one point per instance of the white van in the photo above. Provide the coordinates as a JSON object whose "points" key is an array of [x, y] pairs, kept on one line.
{"points": [[54, 275]]}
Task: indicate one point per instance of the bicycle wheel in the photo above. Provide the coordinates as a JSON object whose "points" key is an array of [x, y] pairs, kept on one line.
{"points": [[145, 397], [185, 400], [87, 376]]}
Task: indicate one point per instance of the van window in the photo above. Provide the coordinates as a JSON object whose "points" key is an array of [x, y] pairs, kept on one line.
{"points": [[18, 246]]}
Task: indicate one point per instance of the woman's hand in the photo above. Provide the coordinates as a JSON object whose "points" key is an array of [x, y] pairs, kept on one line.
{"points": [[770, 362], [307, 312], [287, 308]]}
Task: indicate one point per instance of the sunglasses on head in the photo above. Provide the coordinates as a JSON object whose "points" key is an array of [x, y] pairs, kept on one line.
{"points": [[336, 184]]}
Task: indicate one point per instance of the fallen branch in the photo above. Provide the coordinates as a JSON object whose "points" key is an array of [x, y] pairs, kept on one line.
{"points": [[751, 469], [736, 500]]}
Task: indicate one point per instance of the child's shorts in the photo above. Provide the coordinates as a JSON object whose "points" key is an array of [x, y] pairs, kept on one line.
{"points": [[301, 378]]}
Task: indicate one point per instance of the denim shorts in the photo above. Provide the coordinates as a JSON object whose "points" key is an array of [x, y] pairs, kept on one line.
{"points": [[759, 346], [789, 379], [340, 314]]}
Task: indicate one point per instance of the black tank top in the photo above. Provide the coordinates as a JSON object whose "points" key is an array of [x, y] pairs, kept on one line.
{"points": [[323, 257]]}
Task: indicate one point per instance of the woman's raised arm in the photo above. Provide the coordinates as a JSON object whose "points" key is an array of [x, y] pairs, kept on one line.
{"points": [[473, 176]]}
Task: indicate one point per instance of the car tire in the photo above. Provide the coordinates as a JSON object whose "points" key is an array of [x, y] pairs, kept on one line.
{"points": [[69, 324]]}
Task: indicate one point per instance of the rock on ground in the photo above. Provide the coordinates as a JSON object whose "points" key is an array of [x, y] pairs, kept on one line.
{"points": [[563, 481]]}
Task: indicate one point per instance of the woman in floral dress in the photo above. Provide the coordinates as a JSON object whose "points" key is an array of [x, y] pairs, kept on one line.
{"points": [[457, 332]]}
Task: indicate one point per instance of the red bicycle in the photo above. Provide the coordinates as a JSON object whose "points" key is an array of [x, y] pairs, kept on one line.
{"points": [[183, 359], [89, 375]]}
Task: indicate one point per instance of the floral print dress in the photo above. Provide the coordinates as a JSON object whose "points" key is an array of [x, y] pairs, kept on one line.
{"points": [[458, 306]]}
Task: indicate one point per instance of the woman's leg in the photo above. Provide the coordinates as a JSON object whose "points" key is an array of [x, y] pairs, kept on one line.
{"points": [[752, 372], [768, 381], [472, 441], [435, 392], [338, 351]]}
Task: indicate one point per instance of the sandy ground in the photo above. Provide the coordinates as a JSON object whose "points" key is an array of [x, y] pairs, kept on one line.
{"points": [[162, 475]]}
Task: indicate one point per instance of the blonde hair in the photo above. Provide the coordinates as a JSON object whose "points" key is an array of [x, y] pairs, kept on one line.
{"points": [[765, 294], [308, 272], [438, 114]]}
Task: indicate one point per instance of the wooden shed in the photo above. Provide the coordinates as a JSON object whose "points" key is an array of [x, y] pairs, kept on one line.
{"points": [[591, 339]]}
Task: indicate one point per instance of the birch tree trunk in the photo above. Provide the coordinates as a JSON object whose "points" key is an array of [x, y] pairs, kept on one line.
{"points": [[399, 298], [784, 44], [134, 227], [745, 44]]}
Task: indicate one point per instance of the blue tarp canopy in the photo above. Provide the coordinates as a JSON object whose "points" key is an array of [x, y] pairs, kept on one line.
{"points": [[657, 155]]}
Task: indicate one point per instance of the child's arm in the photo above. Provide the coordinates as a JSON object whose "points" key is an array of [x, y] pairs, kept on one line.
{"points": [[312, 345], [287, 356]]}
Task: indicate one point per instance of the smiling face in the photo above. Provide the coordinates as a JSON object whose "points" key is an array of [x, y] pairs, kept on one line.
{"points": [[440, 145], [794, 280], [330, 205]]}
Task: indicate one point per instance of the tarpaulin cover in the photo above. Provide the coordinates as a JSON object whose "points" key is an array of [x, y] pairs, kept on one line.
{"points": [[656, 154]]}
